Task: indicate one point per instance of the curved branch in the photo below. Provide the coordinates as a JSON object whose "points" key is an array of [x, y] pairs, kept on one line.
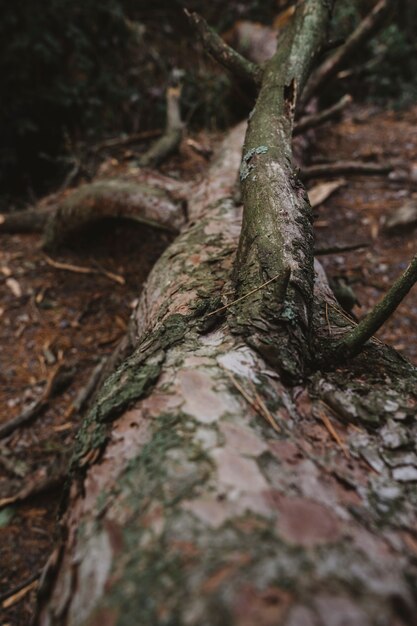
{"points": [[352, 343], [115, 198]]}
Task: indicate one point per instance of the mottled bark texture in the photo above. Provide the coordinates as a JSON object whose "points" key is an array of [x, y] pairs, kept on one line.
{"points": [[185, 507], [277, 235]]}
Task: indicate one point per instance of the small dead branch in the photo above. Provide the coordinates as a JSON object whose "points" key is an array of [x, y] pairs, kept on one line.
{"points": [[171, 139], [333, 433], [59, 378], [329, 68], [344, 168], [13, 596], [337, 249], [312, 121], [128, 140], [68, 267], [36, 487], [352, 343], [240, 68]]}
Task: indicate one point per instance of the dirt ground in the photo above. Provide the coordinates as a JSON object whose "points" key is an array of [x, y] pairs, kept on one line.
{"points": [[54, 318]]}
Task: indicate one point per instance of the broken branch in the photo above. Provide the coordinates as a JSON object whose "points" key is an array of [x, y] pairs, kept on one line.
{"points": [[241, 68], [171, 139], [127, 140], [28, 221], [78, 269], [333, 63], [311, 121], [343, 168], [337, 249]]}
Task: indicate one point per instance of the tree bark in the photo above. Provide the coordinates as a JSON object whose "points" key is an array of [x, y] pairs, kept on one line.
{"points": [[186, 507]]}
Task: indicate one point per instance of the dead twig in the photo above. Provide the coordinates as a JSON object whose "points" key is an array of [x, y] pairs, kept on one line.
{"points": [[312, 121], [337, 249], [36, 488], [84, 270], [256, 403], [250, 293], [11, 597], [334, 434], [327, 318], [119, 142], [339, 168], [59, 378], [333, 63], [86, 392]]}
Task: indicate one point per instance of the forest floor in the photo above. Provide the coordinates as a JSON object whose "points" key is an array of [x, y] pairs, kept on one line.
{"points": [[55, 318]]}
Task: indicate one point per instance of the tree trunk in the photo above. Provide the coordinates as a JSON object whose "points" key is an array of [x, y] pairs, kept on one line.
{"points": [[207, 488]]}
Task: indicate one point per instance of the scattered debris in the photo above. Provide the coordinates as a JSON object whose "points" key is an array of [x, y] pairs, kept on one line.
{"points": [[320, 192], [402, 219]]}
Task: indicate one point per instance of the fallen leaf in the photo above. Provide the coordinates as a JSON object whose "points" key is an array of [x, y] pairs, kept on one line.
{"points": [[6, 271], [319, 193], [402, 218], [14, 287]]}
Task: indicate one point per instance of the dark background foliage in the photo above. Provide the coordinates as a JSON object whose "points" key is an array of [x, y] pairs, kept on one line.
{"points": [[77, 71]]}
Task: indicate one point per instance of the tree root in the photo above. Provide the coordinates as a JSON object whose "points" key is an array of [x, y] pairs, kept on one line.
{"points": [[113, 198], [30, 221]]}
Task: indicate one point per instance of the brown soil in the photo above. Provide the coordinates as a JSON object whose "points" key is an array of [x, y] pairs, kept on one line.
{"points": [[79, 318], [357, 211]]}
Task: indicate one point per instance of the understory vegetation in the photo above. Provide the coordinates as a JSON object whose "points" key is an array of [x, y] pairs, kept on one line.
{"points": [[74, 73]]}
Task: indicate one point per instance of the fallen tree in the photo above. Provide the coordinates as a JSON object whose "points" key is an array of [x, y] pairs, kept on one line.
{"points": [[204, 489]]}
